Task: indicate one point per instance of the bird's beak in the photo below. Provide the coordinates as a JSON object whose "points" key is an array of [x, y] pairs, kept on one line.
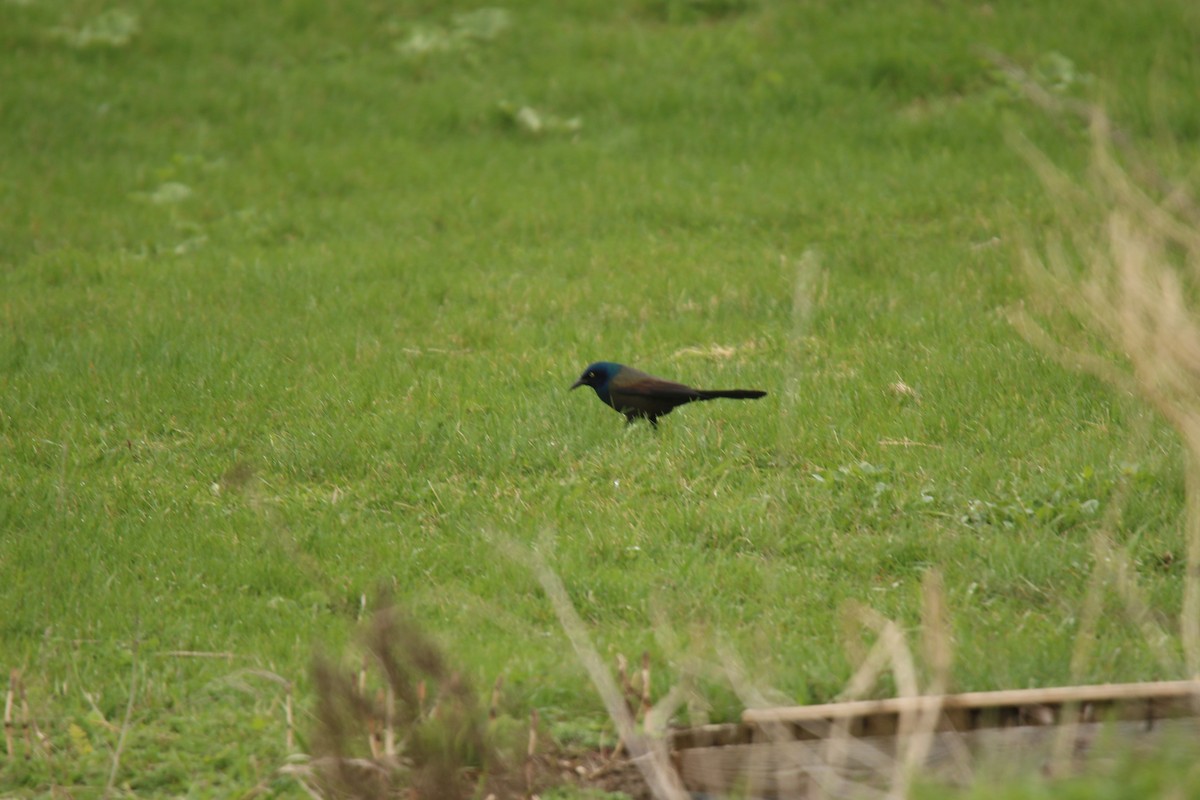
{"points": [[577, 384]]}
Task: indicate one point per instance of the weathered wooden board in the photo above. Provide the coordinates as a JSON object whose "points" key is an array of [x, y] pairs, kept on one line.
{"points": [[798, 769], [842, 748]]}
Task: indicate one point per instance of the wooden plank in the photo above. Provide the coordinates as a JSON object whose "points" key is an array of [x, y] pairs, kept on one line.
{"points": [[1051, 696], [800, 769], [798, 751]]}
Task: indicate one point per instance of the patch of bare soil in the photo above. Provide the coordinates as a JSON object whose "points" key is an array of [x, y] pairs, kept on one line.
{"points": [[589, 770]]}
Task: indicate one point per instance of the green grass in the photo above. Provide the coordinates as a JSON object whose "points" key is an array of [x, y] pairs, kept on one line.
{"points": [[339, 359]]}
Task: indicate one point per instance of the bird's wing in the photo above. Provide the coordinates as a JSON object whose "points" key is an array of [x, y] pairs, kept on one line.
{"points": [[655, 388]]}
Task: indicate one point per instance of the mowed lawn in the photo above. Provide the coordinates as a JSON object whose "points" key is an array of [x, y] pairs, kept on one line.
{"points": [[291, 296]]}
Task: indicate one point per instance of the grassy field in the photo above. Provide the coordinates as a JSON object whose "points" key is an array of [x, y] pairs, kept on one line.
{"points": [[291, 296]]}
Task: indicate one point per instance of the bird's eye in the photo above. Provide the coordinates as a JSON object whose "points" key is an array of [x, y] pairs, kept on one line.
{"points": [[592, 374]]}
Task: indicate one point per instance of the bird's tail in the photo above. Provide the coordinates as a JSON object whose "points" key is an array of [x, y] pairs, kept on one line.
{"points": [[735, 394]]}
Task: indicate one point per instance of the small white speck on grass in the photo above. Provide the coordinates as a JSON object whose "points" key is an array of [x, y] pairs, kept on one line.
{"points": [[713, 351], [903, 390], [906, 442], [529, 119], [484, 23], [215, 488], [995, 241], [190, 245], [115, 27], [616, 484], [536, 123], [423, 41], [169, 193]]}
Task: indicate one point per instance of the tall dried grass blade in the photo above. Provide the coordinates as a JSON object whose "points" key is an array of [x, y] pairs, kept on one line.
{"points": [[1129, 280], [650, 756]]}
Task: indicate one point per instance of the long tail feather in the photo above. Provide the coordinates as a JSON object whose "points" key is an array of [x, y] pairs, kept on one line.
{"points": [[735, 394]]}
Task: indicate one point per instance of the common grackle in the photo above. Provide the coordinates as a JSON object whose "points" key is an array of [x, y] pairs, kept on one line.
{"points": [[636, 394]]}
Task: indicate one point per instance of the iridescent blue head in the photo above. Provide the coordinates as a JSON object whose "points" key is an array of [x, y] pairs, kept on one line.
{"points": [[597, 376]]}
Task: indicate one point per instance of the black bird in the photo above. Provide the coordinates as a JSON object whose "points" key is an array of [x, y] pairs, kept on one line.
{"points": [[636, 394]]}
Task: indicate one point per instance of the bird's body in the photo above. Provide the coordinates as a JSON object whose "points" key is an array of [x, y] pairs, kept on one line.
{"points": [[637, 394]]}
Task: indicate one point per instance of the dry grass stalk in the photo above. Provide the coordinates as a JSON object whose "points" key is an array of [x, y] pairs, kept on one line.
{"points": [[302, 774], [1112, 571], [227, 656], [623, 681], [826, 777], [890, 647], [29, 729], [939, 658], [636, 690], [646, 704], [649, 754], [383, 742], [134, 669], [917, 722], [236, 679], [531, 752], [1125, 280], [635, 686], [389, 722], [494, 704], [290, 719], [9, 747], [828, 770], [659, 715]]}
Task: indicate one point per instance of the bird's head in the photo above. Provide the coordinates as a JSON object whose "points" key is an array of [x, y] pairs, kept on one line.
{"points": [[597, 376]]}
